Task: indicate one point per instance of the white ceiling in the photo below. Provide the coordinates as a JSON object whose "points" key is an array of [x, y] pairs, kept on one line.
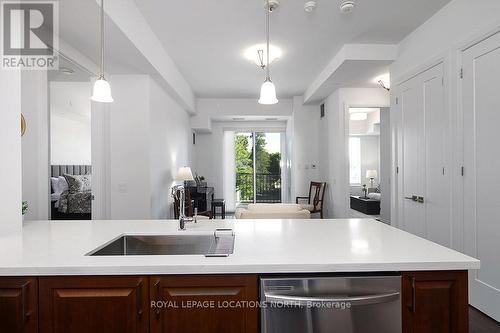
{"points": [[78, 74], [207, 38], [79, 26]]}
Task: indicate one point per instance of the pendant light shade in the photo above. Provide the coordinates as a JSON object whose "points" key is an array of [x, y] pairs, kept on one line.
{"points": [[268, 93], [267, 90], [102, 91]]}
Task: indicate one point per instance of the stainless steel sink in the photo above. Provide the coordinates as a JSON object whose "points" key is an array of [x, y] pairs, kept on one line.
{"points": [[217, 244]]}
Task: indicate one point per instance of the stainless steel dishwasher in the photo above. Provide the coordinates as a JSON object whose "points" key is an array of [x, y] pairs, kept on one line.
{"points": [[344, 304]]}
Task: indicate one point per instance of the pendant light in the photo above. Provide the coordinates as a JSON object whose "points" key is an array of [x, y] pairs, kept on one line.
{"points": [[268, 90], [102, 89]]}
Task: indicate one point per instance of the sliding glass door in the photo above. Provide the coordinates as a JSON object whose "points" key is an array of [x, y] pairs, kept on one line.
{"points": [[258, 167]]}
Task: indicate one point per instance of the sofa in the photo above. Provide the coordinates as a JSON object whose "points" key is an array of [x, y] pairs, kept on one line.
{"points": [[272, 211]]}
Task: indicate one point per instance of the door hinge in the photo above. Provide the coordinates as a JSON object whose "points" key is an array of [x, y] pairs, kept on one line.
{"points": [[443, 171], [397, 101], [397, 169], [462, 171], [461, 73]]}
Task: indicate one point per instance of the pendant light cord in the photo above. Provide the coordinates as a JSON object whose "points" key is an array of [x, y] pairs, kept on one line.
{"points": [[102, 38], [268, 9]]}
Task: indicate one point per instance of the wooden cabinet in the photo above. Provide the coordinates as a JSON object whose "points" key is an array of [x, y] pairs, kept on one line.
{"points": [[18, 305], [94, 304], [432, 302], [435, 302], [205, 304]]}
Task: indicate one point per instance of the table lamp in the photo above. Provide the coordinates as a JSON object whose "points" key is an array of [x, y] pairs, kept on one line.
{"points": [[371, 174]]}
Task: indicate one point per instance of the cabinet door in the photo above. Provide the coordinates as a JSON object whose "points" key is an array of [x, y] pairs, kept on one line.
{"points": [[18, 305], [94, 304], [435, 302], [201, 304]]}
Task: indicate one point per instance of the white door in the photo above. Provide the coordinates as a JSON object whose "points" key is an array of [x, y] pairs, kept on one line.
{"points": [[481, 112], [437, 175], [425, 157], [411, 168]]}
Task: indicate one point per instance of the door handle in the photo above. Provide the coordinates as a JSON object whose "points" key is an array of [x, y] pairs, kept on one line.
{"points": [[158, 292], [138, 299], [412, 198], [313, 301], [24, 294], [413, 305]]}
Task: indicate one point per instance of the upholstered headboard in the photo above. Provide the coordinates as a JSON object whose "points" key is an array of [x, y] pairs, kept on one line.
{"points": [[59, 170]]}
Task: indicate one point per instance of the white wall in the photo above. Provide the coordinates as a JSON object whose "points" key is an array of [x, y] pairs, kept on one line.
{"points": [[455, 23], [70, 128], [35, 145], [219, 109], [333, 133], [170, 148], [149, 140], [305, 147], [129, 129], [70, 141], [385, 165], [10, 150]]}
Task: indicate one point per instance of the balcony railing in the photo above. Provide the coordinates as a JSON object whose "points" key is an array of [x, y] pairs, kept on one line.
{"points": [[268, 188]]}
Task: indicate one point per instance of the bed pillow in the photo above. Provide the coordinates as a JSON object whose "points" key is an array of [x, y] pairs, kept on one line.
{"points": [[374, 196], [63, 184], [54, 181], [78, 183]]}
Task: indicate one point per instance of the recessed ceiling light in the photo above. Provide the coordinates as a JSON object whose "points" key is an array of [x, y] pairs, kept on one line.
{"points": [[67, 70], [252, 54], [238, 119], [347, 6], [310, 6]]}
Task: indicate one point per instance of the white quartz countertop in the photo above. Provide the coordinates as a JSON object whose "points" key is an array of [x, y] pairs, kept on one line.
{"points": [[261, 246]]}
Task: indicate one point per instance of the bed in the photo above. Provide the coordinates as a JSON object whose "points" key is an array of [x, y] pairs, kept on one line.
{"points": [[73, 199]]}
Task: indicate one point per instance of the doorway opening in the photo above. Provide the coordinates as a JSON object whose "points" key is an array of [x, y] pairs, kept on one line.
{"points": [[369, 162], [258, 166], [70, 143]]}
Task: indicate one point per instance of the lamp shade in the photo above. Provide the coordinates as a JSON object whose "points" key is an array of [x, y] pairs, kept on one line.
{"points": [[184, 174], [102, 91], [268, 93], [371, 174]]}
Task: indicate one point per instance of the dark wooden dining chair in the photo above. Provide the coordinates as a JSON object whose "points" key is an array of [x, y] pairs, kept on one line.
{"points": [[315, 199], [189, 207]]}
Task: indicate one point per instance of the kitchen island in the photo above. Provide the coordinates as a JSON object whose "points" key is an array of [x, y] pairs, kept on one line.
{"points": [[48, 281]]}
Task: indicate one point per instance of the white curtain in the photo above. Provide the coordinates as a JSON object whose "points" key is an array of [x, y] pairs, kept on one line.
{"points": [[229, 171]]}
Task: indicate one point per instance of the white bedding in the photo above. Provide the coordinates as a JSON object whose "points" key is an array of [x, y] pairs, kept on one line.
{"points": [[374, 196]]}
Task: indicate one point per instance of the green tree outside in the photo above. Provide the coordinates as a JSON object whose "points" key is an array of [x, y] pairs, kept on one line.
{"points": [[267, 165]]}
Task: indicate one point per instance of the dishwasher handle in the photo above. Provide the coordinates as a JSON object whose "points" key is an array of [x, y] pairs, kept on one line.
{"points": [[306, 301]]}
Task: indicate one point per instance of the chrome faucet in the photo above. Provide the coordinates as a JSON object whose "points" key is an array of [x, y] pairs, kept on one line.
{"points": [[182, 221], [179, 193]]}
